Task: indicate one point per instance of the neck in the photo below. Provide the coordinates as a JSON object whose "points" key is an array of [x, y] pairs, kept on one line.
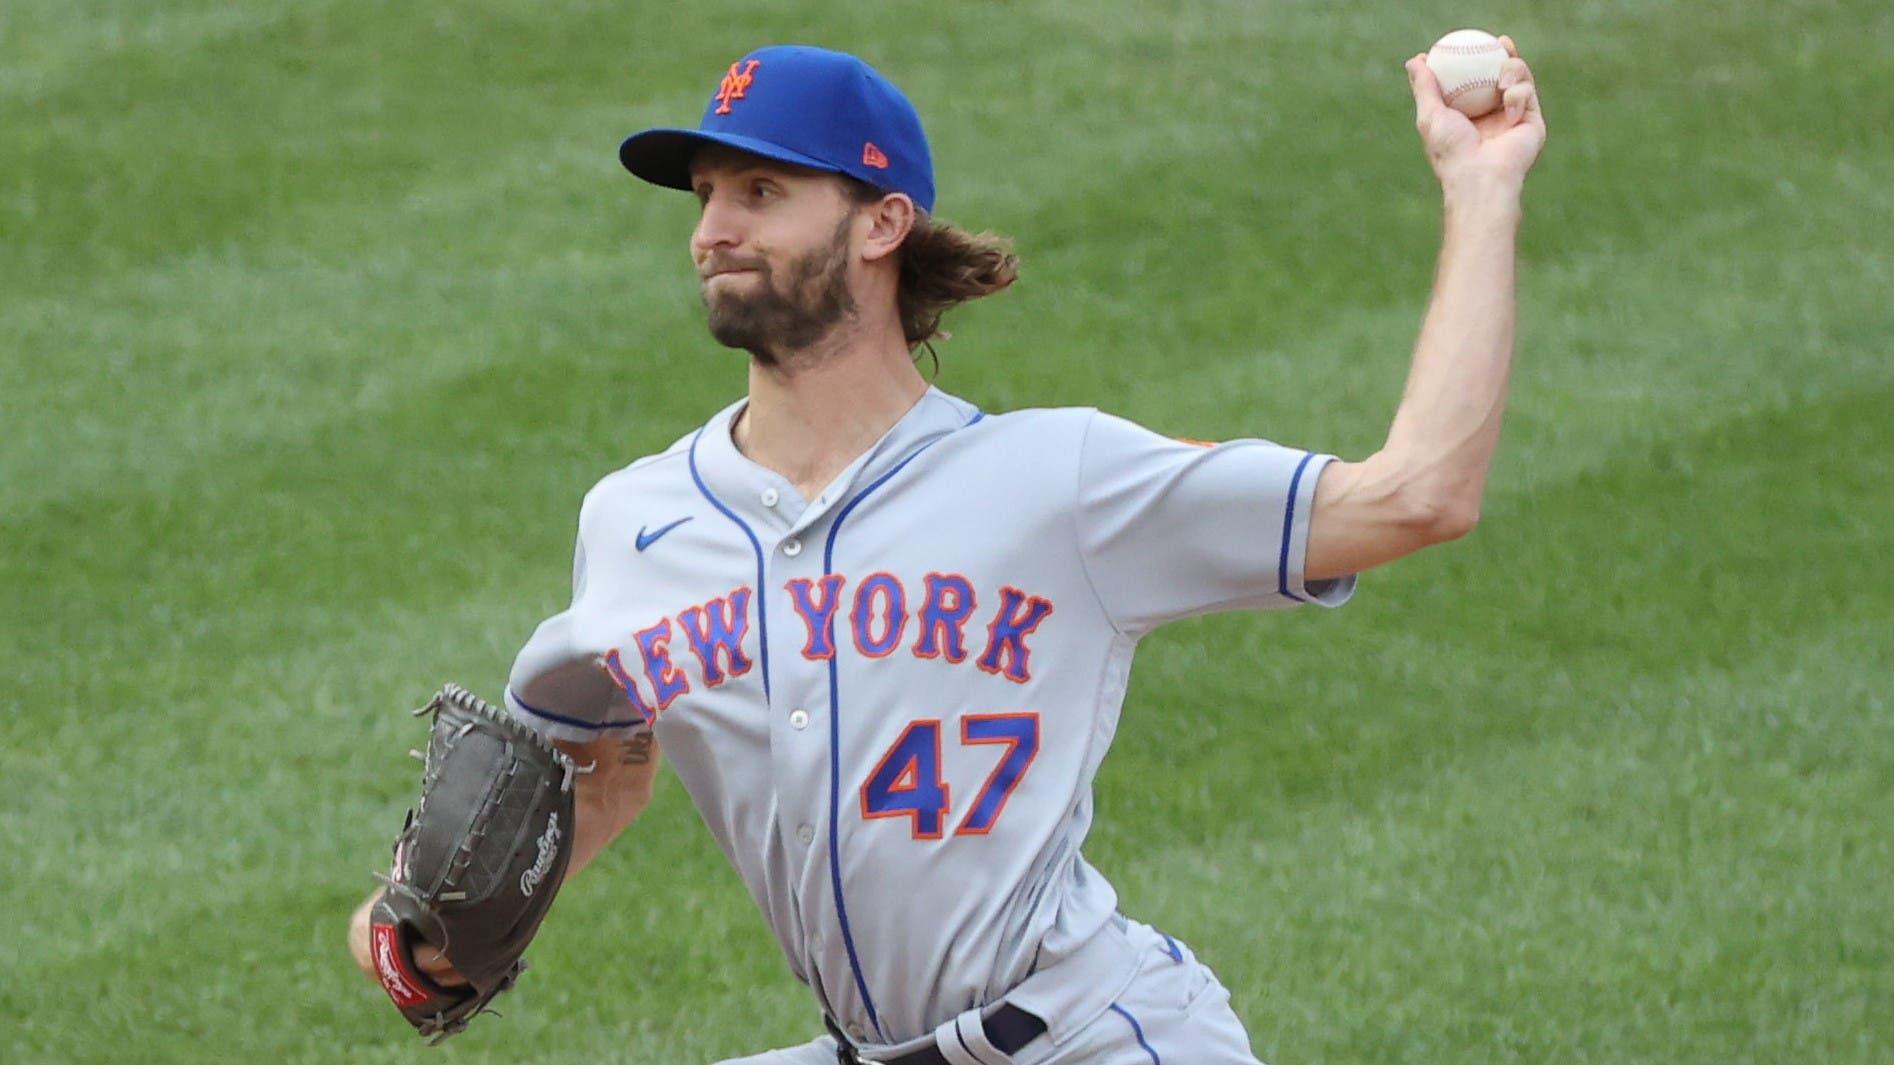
{"points": [[816, 411]]}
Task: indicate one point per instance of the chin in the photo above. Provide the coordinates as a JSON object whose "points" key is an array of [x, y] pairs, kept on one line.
{"points": [[733, 331]]}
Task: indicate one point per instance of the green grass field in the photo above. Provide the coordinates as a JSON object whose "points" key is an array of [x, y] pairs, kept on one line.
{"points": [[317, 320]]}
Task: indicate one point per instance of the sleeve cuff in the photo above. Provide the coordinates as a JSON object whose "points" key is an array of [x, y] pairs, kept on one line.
{"points": [[1295, 541], [1332, 592], [556, 726]]}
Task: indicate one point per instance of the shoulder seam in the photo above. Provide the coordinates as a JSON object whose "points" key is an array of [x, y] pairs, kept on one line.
{"points": [[1078, 535]]}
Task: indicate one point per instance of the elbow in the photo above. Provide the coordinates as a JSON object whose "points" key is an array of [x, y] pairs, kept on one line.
{"points": [[1371, 513], [1440, 517], [1456, 522]]}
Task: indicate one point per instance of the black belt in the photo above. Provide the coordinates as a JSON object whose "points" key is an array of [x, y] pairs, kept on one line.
{"points": [[1008, 1029]]}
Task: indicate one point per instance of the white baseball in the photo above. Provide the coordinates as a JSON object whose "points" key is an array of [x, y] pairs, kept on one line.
{"points": [[1467, 65]]}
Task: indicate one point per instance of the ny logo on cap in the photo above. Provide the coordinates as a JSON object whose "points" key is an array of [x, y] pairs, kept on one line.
{"points": [[734, 84]]}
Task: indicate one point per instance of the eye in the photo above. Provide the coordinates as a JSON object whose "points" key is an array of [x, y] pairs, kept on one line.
{"points": [[765, 189]]}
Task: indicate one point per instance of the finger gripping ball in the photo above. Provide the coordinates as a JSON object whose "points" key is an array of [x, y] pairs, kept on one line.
{"points": [[1467, 65]]}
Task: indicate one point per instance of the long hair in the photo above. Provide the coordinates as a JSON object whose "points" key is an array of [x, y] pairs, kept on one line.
{"points": [[943, 266]]}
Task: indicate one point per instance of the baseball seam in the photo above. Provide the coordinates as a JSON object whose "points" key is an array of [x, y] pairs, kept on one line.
{"points": [[1469, 49], [1477, 83]]}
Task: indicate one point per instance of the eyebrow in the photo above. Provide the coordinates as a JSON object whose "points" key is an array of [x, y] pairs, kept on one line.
{"points": [[768, 168], [744, 172]]}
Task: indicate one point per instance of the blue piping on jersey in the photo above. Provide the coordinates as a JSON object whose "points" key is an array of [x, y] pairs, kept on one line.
{"points": [[573, 721], [1135, 1029], [1288, 529], [762, 597], [835, 737]]}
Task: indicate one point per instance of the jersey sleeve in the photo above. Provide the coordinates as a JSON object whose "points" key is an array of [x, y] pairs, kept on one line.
{"points": [[1169, 528], [559, 687]]}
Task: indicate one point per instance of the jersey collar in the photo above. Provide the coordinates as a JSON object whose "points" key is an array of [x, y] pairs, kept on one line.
{"points": [[764, 496]]}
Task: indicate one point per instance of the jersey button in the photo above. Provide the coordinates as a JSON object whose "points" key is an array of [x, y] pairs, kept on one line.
{"points": [[806, 834], [799, 719], [792, 547], [769, 497]]}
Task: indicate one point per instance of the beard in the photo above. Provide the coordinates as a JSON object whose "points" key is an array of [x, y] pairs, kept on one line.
{"points": [[777, 319]]}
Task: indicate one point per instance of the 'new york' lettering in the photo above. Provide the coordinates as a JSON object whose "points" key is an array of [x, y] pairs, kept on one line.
{"points": [[880, 616]]}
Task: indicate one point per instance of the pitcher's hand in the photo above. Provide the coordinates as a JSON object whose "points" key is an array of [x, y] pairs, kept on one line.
{"points": [[433, 965], [1496, 149]]}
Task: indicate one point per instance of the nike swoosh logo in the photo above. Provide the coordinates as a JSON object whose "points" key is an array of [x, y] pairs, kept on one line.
{"points": [[646, 539]]}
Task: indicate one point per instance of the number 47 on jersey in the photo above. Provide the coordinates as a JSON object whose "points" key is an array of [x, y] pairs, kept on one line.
{"points": [[907, 781]]}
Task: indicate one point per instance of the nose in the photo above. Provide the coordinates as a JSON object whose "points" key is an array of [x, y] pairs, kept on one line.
{"points": [[718, 228]]}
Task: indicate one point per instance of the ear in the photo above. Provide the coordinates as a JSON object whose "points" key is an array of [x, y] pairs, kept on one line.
{"points": [[889, 220]]}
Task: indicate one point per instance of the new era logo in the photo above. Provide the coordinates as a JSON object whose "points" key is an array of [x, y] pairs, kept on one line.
{"points": [[735, 84], [872, 156]]}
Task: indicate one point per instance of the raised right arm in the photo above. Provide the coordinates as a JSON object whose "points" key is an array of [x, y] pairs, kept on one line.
{"points": [[1426, 483]]}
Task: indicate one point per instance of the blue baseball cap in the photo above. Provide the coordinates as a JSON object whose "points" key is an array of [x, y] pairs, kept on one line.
{"points": [[808, 106]]}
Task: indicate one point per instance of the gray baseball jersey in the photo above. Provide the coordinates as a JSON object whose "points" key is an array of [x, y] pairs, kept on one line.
{"points": [[888, 702]]}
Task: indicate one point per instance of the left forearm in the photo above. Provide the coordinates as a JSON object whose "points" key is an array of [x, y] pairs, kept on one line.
{"points": [[612, 795]]}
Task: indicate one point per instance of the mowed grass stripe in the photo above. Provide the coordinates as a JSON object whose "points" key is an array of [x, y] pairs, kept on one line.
{"points": [[1680, 867], [554, 191], [1644, 802], [150, 417], [296, 128], [1377, 931], [1629, 575], [57, 46], [310, 522], [1569, 595]]}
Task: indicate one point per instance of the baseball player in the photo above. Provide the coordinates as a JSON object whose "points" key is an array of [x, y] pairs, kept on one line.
{"points": [[883, 636]]}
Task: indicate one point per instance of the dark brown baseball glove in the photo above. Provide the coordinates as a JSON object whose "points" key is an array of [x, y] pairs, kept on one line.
{"points": [[477, 863]]}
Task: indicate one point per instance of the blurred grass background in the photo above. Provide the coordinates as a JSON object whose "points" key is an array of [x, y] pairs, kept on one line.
{"points": [[317, 320]]}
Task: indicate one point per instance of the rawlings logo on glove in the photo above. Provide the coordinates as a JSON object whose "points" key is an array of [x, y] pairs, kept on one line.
{"points": [[548, 853], [476, 866], [392, 971]]}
